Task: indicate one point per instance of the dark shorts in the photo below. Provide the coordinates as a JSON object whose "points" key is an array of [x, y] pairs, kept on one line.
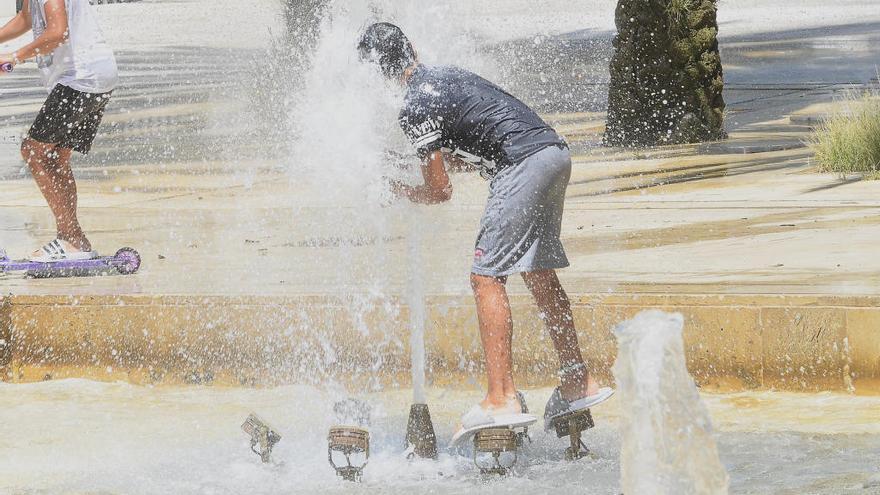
{"points": [[69, 118]]}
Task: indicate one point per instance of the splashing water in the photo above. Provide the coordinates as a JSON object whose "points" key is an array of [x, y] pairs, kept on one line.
{"points": [[344, 124], [339, 130], [345, 118], [667, 445], [341, 123], [417, 308]]}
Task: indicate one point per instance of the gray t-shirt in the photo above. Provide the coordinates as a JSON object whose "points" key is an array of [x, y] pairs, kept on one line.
{"points": [[452, 109]]}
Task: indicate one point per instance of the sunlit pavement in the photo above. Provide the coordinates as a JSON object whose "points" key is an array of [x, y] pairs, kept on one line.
{"points": [[173, 176], [214, 214]]}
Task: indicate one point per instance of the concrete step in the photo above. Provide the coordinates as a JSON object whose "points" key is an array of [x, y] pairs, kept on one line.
{"points": [[733, 342]]}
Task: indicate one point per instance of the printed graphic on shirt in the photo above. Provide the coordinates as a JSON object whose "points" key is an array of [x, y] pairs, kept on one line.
{"points": [[424, 134], [427, 137]]}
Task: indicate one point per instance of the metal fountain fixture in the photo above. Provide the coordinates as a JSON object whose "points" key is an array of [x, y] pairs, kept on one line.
{"points": [[262, 435], [572, 426], [354, 444], [495, 442], [420, 435]]}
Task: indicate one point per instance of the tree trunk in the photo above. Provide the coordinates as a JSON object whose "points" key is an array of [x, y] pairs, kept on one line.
{"points": [[666, 74]]}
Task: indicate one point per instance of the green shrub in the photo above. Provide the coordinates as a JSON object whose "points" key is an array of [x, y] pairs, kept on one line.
{"points": [[850, 142]]}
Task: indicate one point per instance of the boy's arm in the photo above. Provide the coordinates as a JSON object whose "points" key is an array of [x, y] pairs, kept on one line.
{"points": [[54, 35], [16, 27], [437, 188]]}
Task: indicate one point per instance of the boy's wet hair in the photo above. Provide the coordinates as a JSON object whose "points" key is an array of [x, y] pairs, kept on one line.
{"points": [[385, 45]]}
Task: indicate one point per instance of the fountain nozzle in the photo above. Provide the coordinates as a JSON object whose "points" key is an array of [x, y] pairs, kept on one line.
{"points": [[262, 435], [495, 441], [571, 426], [420, 432], [349, 441]]}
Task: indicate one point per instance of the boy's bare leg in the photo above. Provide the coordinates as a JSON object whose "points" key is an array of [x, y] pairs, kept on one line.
{"points": [[555, 310], [496, 331], [50, 167]]}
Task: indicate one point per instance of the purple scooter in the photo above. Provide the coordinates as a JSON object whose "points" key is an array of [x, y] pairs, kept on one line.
{"points": [[126, 261]]}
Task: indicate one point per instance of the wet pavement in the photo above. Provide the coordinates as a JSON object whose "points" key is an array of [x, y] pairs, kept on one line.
{"points": [[181, 174], [729, 222]]}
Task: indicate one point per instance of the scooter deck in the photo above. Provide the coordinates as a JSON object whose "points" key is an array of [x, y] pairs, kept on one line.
{"points": [[126, 261]]}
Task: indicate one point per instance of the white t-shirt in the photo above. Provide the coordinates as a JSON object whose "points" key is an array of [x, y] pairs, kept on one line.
{"points": [[85, 61]]}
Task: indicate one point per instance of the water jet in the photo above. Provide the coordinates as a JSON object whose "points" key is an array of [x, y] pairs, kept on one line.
{"points": [[420, 435]]}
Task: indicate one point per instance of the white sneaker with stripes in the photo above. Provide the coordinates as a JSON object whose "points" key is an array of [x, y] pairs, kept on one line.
{"points": [[61, 250]]}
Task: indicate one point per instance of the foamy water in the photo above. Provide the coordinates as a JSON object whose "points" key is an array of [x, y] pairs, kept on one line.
{"points": [[74, 436]]}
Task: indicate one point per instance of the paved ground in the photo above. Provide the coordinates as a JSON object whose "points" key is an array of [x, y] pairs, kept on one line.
{"points": [[187, 440], [760, 222], [180, 177]]}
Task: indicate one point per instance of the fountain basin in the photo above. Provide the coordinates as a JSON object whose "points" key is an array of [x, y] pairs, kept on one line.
{"points": [[77, 436]]}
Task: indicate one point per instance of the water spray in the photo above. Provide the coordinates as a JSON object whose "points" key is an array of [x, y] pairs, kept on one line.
{"points": [[667, 443], [262, 435], [420, 436], [353, 411], [354, 444]]}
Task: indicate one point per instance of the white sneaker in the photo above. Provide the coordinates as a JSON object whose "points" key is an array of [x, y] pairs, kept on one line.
{"points": [[60, 250]]}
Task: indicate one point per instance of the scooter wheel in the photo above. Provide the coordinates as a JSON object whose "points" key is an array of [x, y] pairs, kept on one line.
{"points": [[127, 261]]}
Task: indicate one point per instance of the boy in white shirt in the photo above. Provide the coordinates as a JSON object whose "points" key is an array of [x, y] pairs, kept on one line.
{"points": [[79, 71]]}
